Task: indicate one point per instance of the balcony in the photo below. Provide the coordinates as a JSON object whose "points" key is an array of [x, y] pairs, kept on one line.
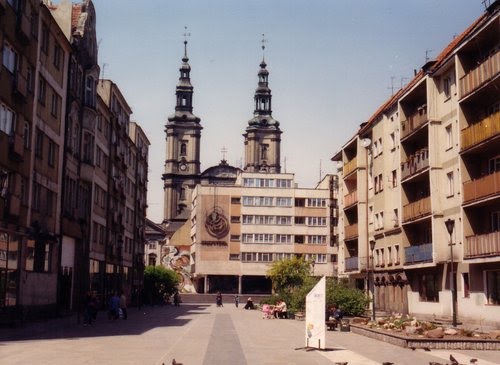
{"points": [[483, 245], [351, 199], [414, 121], [480, 75], [479, 132], [418, 254], [87, 171], [350, 166], [351, 263], [23, 28], [482, 188], [20, 87], [415, 163], [417, 209], [14, 206], [351, 231]]}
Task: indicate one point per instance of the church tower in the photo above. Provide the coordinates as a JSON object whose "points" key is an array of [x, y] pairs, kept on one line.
{"points": [[263, 134], [182, 162]]}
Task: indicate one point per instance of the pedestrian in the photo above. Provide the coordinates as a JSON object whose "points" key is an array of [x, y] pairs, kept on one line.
{"points": [[236, 300], [123, 305], [218, 299], [177, 299], [88, 310], [113, 306], [249, 304]]}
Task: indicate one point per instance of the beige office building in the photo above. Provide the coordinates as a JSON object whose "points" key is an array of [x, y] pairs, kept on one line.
{"points": [[238, 230]]}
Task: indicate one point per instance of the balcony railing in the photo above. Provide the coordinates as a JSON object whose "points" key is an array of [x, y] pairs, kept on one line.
{"points": [[418, 254], [351, 263], [414, 121], [481, 188], [480, 75], [415, 163], [482, 245], [351, 198], [350, 166], [481, 131], [417, 209], [351, 231]]}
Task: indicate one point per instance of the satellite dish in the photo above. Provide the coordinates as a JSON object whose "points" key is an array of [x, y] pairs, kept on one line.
{"points": [[366, 142]]}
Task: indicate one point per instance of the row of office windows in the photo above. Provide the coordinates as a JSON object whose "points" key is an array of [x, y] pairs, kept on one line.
{"points": [[267, 183], [280, 220], [279, 256], [280, 238], [270, 201]]}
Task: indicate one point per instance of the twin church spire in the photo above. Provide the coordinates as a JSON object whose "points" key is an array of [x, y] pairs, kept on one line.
{"points": [[183, 133]]}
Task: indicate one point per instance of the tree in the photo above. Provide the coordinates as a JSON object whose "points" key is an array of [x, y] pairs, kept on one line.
{"points": [[352, 301], [286, 275], [159, 283]]}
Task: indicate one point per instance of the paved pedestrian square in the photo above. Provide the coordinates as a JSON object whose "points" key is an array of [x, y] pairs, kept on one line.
{"points": [[201, 334]]}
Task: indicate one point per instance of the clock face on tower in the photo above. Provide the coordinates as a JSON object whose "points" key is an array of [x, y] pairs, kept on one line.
{"points": [[182, 166]]}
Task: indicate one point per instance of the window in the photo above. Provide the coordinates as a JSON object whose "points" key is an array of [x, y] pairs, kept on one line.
{"points": [[39, 144], [9, 57], [183, 149], [449, 179], [466, 286], [380, 183], [284, 220], [447, 87], [283, 183], [283, 202], [36, 196], [428, 287], [90, 91], [393, 141], [283, 238], [45, 39], [316, 239], [316, 221], [235, 237], [299, 239], [52, 153], [7, 120], [494, 165], [236, 200], [235, 219], [54, 106], [396, 255], [493, 287], [300, 220], [234, 257], [394, 178], [57, 56], [449, 137], [395, 218], [26, 135], [42, 90], [316, 202], [495, 221], [300, 202], [88, 148]]}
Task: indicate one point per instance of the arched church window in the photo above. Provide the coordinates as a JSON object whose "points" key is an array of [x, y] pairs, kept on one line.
{"points": [[183, 149], [183, 101], [183, 193], [263, 151]]}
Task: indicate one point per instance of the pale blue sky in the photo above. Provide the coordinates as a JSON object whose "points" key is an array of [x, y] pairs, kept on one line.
{"points": [[330, 65]]}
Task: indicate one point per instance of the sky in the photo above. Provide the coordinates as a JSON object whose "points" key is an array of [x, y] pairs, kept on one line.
{"points": [[331, 64]]}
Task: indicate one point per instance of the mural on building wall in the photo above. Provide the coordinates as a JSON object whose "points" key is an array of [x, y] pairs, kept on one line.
{"points": [[177, 259]]}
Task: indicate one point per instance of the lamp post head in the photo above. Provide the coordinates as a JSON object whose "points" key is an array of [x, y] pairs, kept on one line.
{"points": [[450, 224], [372, 245]]}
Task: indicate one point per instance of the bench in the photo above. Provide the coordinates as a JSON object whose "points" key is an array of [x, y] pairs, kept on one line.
{"points": [[332, 325], [299, 316]]}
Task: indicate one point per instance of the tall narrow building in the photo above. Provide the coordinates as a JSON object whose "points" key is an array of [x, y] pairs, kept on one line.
{"points": [[182, 163], [263, 134]]}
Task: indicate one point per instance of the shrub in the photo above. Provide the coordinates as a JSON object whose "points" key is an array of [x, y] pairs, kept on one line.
{"points": [[352, 302], [159, 283]]}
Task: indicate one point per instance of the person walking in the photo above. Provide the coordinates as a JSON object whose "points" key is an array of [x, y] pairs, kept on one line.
{"points": [[236, 300], [123, 305], [177, 299], [218, 299]]}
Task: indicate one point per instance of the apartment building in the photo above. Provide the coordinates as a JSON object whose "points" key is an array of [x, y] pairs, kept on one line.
{"points": [[69, 159], [419, 187], [238, 230]]}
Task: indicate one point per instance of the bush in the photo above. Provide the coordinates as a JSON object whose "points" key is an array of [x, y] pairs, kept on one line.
{"points": [[159, 283], [352, 302]]}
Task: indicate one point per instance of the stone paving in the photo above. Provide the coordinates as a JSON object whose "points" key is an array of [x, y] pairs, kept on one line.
{"points": [[206, 335]]}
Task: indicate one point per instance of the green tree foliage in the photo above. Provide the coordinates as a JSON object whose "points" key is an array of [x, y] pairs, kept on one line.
{"points": [[159, 283], [286, 275], [352, 301]]}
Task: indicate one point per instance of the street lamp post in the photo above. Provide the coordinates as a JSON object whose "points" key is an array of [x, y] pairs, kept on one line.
{"points": [[450, 224], [372, 280]]}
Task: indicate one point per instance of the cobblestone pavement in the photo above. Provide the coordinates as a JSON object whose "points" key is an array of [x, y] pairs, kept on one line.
{"points": [[202, 334]]}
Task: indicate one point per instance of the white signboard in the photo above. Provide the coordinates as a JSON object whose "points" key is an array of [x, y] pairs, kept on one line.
{"points": [[315, 315]]}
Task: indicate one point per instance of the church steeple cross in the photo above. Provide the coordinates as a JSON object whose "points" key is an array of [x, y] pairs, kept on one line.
{"points": [[224, 151], [186, 35], [263, 41]]}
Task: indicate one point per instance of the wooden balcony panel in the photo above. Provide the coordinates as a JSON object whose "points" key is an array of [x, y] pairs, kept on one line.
{"points": [[481, 188], [418, 254], [351, 231], [350, 166], [417, 209], [415, 163], [14, 206], [480, 75], [413, 122], [481, 131], [352, 263], [482, 245], [351, 198]]}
